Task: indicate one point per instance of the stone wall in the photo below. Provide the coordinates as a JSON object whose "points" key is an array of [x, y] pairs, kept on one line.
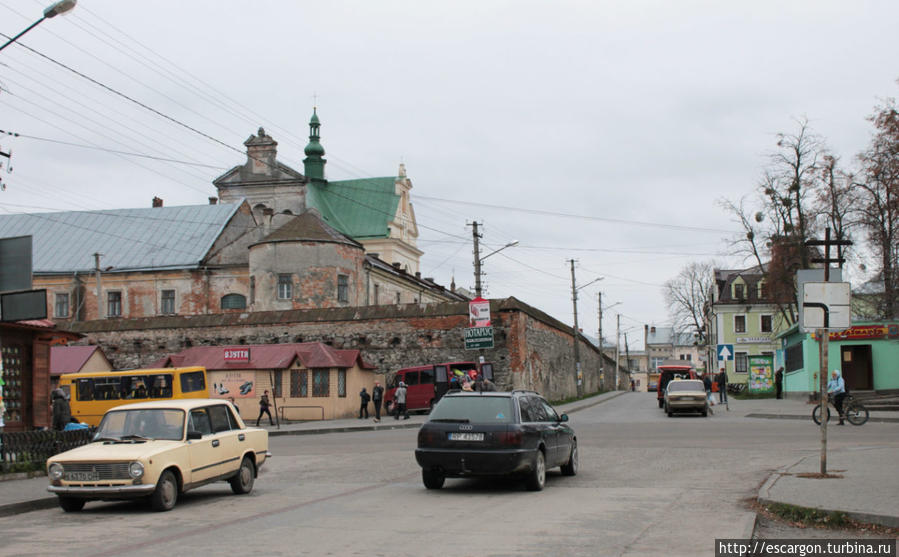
{"points": [[532, 350]]}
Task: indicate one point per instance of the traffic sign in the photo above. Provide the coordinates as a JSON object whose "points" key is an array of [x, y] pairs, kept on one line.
{"points": [[726, 352], [826, 305], [478, 337], [479, 313]]}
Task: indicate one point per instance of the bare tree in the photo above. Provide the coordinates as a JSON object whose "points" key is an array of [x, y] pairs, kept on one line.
{"points": [[786, 214], [878, 188], [687, 296]]}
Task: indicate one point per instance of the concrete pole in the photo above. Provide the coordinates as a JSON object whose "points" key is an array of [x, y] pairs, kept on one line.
{"points": [[577, 353], [823, 342], [477, 259], [602, 355], [617, 349], [99, 287]]}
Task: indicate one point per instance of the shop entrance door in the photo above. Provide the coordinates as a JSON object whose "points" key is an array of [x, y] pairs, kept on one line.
{"points": [[857, 367]]}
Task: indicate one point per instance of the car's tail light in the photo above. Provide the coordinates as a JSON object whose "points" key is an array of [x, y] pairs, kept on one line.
{"points": [[509, 438], [426, 437]]}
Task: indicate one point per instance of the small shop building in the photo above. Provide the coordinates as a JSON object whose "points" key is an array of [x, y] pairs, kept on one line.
{"points": [[305, 381], [867, 355]]}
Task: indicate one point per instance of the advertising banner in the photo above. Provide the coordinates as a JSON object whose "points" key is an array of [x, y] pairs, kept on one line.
{"points": [[761, 374], [225, 384]]}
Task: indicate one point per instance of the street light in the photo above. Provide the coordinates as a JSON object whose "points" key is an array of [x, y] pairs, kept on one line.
{"points": [[55, 9], [479, 260]]}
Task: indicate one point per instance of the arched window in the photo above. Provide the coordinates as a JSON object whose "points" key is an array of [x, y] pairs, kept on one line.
{"points": [[234, 301]]}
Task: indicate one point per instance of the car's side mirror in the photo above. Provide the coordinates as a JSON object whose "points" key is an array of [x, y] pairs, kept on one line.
{"points": [[193, 434], [563, 418]]}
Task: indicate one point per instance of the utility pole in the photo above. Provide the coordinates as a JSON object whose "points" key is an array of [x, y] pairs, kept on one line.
{"points": [[577, 353], [627, 359], [617, 349], [477, 259], [97, 257], [602, 355]]}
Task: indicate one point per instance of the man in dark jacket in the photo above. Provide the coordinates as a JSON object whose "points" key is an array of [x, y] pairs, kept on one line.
{"points": [[377, 395], [62, 414], [363, 401], [722, 386]]}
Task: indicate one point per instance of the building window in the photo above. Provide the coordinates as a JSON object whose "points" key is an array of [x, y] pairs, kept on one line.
{"points": [[763, 290], [61, 307], [739, 323], [276, 388], [793, 357], [397, 298], [320, 382], [343, 288], [252, 290], [377, 293], [739, 291], [234, 301], [168, 302], [285, 287], [113, 304], [741, 362], [766, 324], [656, 362], [299, 383], [341, 383]]}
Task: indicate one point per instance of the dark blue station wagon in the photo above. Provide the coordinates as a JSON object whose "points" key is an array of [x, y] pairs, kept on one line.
{"points": [[514, 433]]}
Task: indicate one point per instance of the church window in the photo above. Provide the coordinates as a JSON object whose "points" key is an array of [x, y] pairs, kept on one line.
{"points": [[168, 302], [343, 288], [114, 304], [285, 287], [234, 301]]}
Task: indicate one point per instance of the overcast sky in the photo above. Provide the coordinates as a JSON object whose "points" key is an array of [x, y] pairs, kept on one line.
{"points": [[605, 132]]}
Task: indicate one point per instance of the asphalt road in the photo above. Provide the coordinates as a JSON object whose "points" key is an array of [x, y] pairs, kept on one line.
{"points": [[647, 485]]}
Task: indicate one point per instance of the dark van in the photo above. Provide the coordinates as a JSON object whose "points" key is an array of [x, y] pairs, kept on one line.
{"points": [[673, 369], [426, 384]]}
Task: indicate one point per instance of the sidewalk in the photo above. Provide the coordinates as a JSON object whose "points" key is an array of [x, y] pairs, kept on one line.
{"points": [[22, 494]]}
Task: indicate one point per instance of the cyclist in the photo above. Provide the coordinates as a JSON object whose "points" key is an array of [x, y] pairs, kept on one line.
{"points": [[837, 388]]}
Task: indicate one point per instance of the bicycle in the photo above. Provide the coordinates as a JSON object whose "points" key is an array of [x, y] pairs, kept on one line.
{"points": [[853, 410]]}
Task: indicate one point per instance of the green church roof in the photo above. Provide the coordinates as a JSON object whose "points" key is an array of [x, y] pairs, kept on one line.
{"points": [[359, 208]]}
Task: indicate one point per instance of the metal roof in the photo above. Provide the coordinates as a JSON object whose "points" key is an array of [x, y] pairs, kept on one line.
{"points": [[360, 208], [129, 239]]}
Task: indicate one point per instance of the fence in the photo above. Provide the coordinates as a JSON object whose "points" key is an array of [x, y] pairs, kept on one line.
{"points": [[35, 447]]}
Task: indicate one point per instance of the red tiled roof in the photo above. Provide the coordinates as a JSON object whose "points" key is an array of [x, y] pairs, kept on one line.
{"points": [[69, 359], [266, 356]]}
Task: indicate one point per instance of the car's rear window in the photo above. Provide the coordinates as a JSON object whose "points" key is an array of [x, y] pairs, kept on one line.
{"points": [[685, 386], [475, 409]]}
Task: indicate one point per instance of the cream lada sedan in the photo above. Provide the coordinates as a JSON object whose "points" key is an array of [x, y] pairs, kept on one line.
{"points": [[157, 450]]}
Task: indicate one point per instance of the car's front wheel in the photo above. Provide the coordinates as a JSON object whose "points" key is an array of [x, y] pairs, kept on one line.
{"points": [[432, 479], [537, 478], [166, 494], [570, 467], [242, 483], [71, 504]]}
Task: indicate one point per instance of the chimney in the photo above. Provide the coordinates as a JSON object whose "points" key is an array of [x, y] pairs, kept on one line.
{"points": [[213, 200], [157, 202], [262, 151]]}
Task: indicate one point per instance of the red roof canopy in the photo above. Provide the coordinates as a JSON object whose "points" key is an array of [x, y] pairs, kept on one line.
{"points": [[69, 359], [267, 356]]}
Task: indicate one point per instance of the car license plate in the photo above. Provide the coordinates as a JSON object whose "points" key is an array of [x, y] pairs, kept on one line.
{"points": [[82, 476], [463, 436]]}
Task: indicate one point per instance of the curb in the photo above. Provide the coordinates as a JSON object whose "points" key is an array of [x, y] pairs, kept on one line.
{"points": [[28, 506], [342, 429], [796, 417], [868, 518]]}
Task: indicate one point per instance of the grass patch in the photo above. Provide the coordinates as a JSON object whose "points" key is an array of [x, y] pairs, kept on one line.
{"points": [[809, 517]]}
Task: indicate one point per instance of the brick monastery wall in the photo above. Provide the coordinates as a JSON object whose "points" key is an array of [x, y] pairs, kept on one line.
{"points": [[532, 350]]}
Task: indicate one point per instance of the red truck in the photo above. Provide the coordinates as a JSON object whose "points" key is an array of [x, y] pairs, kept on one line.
{"points": [[672, 369], [427, 383]]}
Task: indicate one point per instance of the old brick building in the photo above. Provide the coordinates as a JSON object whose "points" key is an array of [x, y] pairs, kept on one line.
{"points": [[280, 240]]}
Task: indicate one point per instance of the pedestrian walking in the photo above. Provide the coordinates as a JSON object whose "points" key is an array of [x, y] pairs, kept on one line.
{"points": [[779, 382], [364, 397], [722, 386], [707, 383], [234, 404], [377, 395], [399, 398], [62, 414], [263, 409]]}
